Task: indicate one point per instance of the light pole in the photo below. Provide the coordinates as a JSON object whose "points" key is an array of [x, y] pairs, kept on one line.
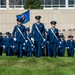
{"points": [[7, 4]]}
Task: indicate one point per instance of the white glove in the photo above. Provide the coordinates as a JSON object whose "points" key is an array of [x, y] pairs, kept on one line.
{"points": [[23, 48], [42, 46], [74, 48], [32, 45], [13, 46], [44, 39], [15, 39], [60, 42], [10, 46], [24, 44], [59, 46], [26, 40], [3, 46], [32, 39], [67, 47]]}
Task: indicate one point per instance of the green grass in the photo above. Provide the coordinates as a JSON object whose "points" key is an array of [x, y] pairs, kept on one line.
{"points": [[37, 66]]}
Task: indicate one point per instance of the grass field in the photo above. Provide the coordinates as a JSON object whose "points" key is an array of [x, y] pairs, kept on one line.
{"points": [[37, 66]]}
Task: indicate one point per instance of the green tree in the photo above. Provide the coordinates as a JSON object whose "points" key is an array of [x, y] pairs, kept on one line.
{"points": [[32, 4]]}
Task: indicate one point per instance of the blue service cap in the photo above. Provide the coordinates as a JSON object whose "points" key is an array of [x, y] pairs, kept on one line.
{"points": [[7, 33], [27, 29], [70, 36], [37, 17], [0, 32], [53, 22], [18, 20], [61, 36]]}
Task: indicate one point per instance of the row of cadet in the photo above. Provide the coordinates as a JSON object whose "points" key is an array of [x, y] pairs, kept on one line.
{"points": [[36, 43], [10, 47]]}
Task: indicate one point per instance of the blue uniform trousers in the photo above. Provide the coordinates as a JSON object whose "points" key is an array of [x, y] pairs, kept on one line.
{"points": [[62, 51], [1, 50], [8, 51], [71, 52], [53, 48], [38, 48], [49, 50], [20, 49], [29, 51]]}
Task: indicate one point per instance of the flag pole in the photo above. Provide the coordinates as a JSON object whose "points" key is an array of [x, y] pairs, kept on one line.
{"points": [[30, 16]]}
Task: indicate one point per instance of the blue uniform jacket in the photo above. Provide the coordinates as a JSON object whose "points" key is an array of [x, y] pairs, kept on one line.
{"points": [[51, 36], [71, 44], [1, 41], [28, 43], [62, 44], [17, 34], [35, 33], [8, 41]]}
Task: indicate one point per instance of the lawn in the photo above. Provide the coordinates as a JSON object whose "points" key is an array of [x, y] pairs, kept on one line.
{"points": [[37, 66]]}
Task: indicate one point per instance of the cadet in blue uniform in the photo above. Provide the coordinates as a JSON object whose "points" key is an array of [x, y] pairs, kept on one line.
{"points": [[70, 46], [8, 44], [11, 44], [1, 44], [28, 42], [14, 48], [18, 36], [53, 37], [37, 33], [61, 46]]}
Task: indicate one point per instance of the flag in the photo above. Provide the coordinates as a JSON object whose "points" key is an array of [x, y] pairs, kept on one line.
{"points": [[24, 17]]}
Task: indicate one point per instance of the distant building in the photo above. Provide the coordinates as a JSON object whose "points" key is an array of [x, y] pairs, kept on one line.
{"points": [[58, 4], [45, 3], [11, 4], [62, 11]]}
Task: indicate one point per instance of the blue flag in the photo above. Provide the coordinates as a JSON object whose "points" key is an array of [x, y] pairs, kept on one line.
{"points": [[24, 17]]}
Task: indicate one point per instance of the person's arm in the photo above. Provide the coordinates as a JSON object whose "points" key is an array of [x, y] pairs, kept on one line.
{"points": [[13, 33], [43, 32], [48, 36], [33, 31], [58, 34], [24, 32]]}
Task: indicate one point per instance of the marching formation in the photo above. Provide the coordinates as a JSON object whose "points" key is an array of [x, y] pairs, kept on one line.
{"points": [[39, 42]]}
